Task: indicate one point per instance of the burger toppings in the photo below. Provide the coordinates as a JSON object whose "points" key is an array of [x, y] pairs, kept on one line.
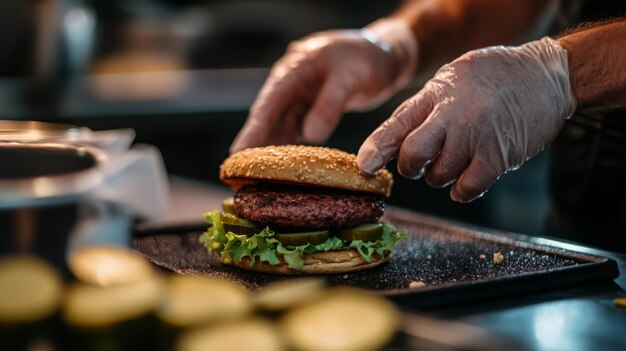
{"points": [[297, 239], [306, 207], [365, 232], [234, 224], [228, 206], [265, 246]]}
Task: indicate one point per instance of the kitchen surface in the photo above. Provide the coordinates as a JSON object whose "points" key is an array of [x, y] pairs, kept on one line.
{"points": [[115, 117], [525, 314]]}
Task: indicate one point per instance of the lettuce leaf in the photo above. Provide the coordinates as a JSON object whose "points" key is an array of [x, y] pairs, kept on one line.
{"points": [[264, 247]]}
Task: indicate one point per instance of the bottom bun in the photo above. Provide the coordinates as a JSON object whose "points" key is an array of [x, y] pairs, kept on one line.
{"points": [[338, 261]]}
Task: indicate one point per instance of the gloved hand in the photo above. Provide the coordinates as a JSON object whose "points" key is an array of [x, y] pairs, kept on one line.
{"points": [[479, 117], [325, 74]]}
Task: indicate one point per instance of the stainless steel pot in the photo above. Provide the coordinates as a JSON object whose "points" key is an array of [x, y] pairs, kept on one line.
{"points": [[61, 195]]}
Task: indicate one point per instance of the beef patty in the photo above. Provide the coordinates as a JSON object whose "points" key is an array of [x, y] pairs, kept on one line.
{"points": [[306, 207]]}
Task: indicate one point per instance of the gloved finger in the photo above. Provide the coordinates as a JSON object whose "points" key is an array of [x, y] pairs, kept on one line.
{"points": [[326, 112], [475, 180], [268, 109], [448, 165], [281, 90], [384, 143], [420, 147], [287, 129]]}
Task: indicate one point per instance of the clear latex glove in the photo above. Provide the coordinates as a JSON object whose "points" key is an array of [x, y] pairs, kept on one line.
{"points": [[480, 116], [322, 76]]}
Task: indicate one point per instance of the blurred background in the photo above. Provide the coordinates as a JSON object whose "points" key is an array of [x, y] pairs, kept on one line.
{"points": [[184, 73]]}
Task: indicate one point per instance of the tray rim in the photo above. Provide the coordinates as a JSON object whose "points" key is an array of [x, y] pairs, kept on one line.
{"points": [[595, 267], [604, 268]]}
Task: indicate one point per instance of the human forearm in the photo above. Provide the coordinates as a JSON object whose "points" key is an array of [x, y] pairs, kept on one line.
{"points": [[447, 28], [596, 65]]}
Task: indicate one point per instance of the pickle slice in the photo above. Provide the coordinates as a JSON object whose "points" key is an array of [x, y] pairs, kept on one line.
{"points": [[364, 232], [283, 295], [249, 334], [228, 206], [91, 306], [297, 239], [30, 290], [238, 225], [109, 265], [345, 319], [193, 301]]}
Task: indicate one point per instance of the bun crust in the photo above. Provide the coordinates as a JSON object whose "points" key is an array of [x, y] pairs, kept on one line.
{"points": [[310, 165], [339, 261]]}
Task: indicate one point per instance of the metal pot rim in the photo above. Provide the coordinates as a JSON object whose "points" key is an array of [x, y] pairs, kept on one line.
{"points": [[41, 190]]}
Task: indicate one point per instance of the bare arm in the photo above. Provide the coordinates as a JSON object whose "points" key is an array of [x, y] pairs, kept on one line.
{"points": [[447, 28], [596, 56], [327, 73]]}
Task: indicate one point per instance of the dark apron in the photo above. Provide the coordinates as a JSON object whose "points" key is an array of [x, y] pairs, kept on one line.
{"points": [[588, 181], [588, 165]]}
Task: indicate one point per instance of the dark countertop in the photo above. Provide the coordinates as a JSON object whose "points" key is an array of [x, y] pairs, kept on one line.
{"points": [[578, 318]]}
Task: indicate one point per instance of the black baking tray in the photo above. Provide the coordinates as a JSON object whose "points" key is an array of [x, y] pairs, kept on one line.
{"points": [[454, 261]]}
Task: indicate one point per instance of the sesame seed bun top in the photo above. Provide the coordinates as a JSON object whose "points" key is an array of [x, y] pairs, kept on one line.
{"points": [[309, 165]]}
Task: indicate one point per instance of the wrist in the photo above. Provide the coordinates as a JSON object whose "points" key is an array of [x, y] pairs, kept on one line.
{"points": [[596, 65], [394, 36], [553, 57]]}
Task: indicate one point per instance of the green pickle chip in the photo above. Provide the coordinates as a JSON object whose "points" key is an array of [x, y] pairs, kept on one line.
{"points": [[238, 225], [228, 206], [297, 239], [364, 232]]}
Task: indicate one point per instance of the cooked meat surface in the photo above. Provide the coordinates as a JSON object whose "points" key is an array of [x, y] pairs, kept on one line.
{"points": [[306, 207]]}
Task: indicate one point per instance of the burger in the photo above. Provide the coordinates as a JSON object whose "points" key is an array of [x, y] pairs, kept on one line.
{"points": [[301, 210]]}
